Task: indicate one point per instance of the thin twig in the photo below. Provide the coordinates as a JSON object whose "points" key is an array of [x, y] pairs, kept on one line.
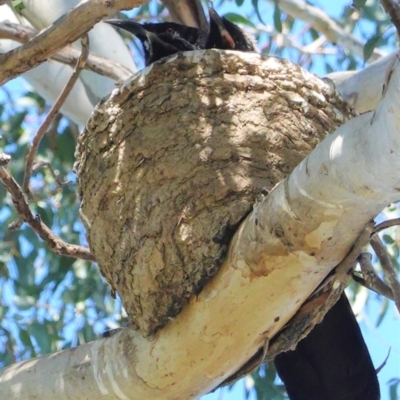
{"points": [[384, 362], [15, 225], [370, 279], [45, 164], [52, 132], [386, 224], [346, 266], [69, 54], [52, 113], [25, 214], [393, 10], [387, 267]]}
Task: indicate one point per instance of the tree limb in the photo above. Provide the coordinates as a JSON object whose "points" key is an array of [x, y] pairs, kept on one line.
{"points": [[393, 11], [69, 54], [363, 89], [55, 37], [386, 224], [311, 312], [388, 268], [51, 115], [320, 21], [370, 279], [25, 214], [45, 164], [187, 12]]}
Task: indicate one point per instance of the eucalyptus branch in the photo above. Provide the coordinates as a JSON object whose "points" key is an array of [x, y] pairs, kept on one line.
{"points": [[393, 10], [25, 214], [321, 22], [386, 224], [311, 312], [52, 39], [388, 268], [45, 164], [370, 279], [284, 39], [51, 115], [69, 54]]}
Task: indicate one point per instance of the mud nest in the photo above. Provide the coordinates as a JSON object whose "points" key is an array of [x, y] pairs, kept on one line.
{"points": [[171, 162]]}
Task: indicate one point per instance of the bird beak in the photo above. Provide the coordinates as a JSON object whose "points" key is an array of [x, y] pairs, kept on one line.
{"points": [[130, 26], [221, 27]]}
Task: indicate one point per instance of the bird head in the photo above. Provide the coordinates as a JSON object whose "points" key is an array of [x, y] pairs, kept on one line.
{"points": [[157, 41], [166, 38], [226, 35]]}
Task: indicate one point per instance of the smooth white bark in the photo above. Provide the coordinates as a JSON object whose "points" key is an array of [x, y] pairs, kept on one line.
{"points": [[50, 78], [104, 40], [363, 89]]}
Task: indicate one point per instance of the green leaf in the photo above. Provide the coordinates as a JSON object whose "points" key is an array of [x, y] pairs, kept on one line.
{"points": [[25, 338], [264, 383], [41, 336], [370, 46], [382, 312], [86, 334], [255, 5], [18, 5], [66, 143], [45, 335], [387, 239], [13, 124], [277, 17], [359, 3], [24, 302], [239, 19], [394, 384], [314, 34], [44, 214]]}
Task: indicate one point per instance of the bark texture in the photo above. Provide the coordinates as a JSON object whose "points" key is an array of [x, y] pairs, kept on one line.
{"points": [[171, 163]]}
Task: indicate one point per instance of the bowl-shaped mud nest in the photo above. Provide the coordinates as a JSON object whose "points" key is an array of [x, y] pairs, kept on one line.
{"points": [[170, 163]]}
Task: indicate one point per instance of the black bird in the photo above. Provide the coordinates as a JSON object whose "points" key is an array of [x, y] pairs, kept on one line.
{"points": [[157, 44], [163, 39], [196, 37], [332, 362]]}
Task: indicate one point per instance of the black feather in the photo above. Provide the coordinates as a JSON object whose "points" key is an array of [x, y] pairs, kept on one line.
{"points": [[166, 38], [332, 362]]}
